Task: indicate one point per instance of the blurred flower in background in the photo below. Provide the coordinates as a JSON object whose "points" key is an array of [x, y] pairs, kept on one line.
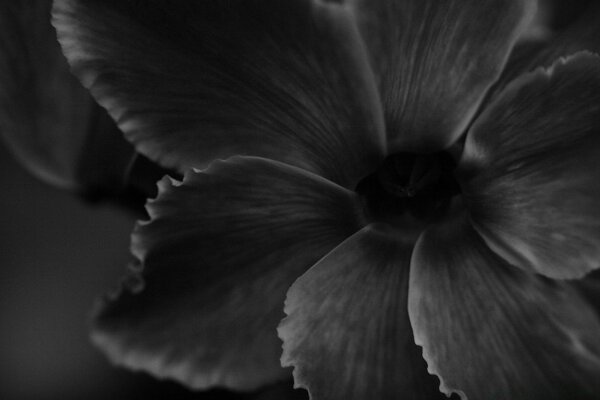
{"points": [[215, 326], [51, 123]]}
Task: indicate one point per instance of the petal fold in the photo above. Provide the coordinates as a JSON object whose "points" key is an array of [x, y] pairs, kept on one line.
{"points": [[217, 258], [493, 331], [530, 170], [434, 61], [196, 81], [347, 331]]}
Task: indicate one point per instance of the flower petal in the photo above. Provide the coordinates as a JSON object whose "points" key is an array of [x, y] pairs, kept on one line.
{"points": [[434, 61], [493, 331], [347, 332], [51, 123], [530, 170], [195, 81], [583, 34], [218, 256]]}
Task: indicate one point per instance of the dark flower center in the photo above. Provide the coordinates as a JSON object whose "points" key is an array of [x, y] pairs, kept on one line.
{"points": [[411, 186]]}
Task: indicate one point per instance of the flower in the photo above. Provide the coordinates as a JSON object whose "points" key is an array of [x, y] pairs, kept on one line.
{"points": [[375, 164]]}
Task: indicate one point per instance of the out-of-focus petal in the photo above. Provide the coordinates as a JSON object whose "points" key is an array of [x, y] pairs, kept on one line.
{"points": [[218, 256], [347, 332], [493, 331], [434, 61], [582, 34], [530, 170], [200, 80], [47, 119]]}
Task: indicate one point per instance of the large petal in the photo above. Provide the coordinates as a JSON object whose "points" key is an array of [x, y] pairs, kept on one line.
{"points": [[493, 331], [347, 332], [530, 170], [47, 119], [218, 256], [434, 61], [199, 80]]}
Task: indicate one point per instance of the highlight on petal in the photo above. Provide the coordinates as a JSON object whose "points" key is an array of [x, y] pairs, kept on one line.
{"points": [[530, 170], [347, 331], [434, 61], [47, 119], [493, 331], [540, 26], [217, 258], [199, 80]]}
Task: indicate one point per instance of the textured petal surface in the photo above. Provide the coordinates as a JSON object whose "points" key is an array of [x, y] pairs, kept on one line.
{"points": [[347, 332], [218, 256], [48, 120], [195, 81], [435, 60], [530, 170], [493, 331]]}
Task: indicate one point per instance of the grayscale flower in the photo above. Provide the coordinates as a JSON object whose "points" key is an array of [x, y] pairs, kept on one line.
{"points": [[416, 183]]}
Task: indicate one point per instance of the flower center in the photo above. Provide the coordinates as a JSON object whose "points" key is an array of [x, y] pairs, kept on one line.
{"points": [[409, 186]]}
